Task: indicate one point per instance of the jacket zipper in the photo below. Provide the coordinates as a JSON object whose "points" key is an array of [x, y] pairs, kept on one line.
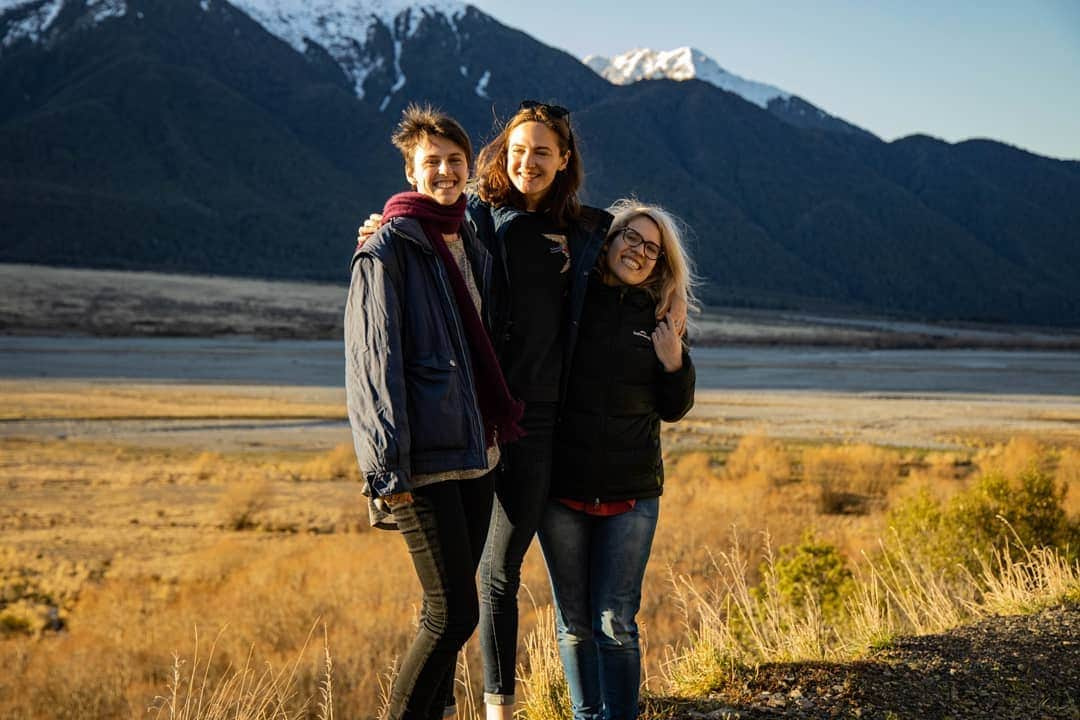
{"points": [[466, 367]]}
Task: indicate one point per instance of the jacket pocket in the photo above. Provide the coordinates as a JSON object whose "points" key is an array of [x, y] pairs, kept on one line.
{"points": [[439, 411]]}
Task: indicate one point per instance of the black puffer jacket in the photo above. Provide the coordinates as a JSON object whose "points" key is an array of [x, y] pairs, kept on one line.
{"points": [[607, 441]]}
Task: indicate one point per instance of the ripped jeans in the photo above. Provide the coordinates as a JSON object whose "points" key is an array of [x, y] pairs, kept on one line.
{"points": [[596, 566]]}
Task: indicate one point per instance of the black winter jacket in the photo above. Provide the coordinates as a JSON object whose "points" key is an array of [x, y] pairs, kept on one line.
{"points": [[585, 238], [607, 440], [408, 375]]}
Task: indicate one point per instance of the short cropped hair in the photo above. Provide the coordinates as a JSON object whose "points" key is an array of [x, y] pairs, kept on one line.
{"points": [[422, 121]]}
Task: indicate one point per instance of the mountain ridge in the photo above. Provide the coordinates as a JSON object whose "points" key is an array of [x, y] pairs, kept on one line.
{"points": [[185, 136]]}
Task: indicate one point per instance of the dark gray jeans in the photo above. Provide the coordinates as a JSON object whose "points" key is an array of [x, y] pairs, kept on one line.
{"points": [[444, 529], [521, 493]]}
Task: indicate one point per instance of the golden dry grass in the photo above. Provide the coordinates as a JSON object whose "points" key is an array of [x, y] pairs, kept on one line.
{"points": [[29, 400], [129, 548]]}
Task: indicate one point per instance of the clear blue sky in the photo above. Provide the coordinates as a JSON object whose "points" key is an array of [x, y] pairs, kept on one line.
{"points": [[954, 69]]}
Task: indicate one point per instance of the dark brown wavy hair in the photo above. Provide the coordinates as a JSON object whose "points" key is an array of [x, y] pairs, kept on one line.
{"points": [[493, 183]]}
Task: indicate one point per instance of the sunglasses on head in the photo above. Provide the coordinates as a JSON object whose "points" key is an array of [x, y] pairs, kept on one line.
{"points": [[555, 111]]}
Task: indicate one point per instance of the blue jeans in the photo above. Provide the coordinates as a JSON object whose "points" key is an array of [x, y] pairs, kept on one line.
{"points": [[596, 566], [521, 490]]}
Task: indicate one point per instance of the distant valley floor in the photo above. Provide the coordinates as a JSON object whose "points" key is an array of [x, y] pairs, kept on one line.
{"points": [[40, 300]]}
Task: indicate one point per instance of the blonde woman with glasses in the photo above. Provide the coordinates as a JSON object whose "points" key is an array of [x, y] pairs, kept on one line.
{"points": [[627, 374]]}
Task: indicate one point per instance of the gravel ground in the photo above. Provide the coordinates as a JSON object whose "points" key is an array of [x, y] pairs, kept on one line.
{"points": [[1002, 667]]}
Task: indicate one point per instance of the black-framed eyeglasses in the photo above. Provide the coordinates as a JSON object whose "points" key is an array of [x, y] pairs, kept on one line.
{"points": [[555, 111], [634, 239]]}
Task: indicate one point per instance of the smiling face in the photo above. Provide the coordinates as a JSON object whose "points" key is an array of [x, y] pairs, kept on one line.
{"points": [[630, 264], [439, 169], [532, 160]]}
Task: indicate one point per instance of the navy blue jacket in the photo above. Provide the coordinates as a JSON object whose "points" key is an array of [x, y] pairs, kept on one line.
{"points": [[408, 376]]}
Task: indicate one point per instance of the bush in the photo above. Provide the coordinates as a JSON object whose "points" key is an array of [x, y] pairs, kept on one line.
{"points": [[813, 572], [996, 512], [758, 459], [243, 502], [852, 479]]}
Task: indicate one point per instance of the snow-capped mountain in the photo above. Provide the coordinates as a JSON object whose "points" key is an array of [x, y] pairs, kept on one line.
{"points": [[248, 136], [344, 30], [683, 63], [687, 63], [363, 37]]}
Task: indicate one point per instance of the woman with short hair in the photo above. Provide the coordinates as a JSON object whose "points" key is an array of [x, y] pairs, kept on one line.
{"points": [[426, 396]]}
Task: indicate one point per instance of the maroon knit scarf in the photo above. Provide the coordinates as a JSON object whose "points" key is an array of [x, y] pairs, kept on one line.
{"points": [[500, 411]]}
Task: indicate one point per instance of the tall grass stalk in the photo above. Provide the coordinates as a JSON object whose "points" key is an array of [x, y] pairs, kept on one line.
{"points": [[243, 694], [926, 598], [1042, 577], [544, 693]]}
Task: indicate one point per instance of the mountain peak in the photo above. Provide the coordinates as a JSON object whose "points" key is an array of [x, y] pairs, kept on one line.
{"points": [[329, 22], [343, 29], [684, 63]]}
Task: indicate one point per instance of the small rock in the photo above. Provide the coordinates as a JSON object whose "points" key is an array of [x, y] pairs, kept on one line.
{"points": [[777, 700]]}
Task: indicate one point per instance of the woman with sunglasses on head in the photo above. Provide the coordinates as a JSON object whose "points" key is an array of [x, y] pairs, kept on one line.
{"points": [[627, 374], [543, 243], [542, 239]]}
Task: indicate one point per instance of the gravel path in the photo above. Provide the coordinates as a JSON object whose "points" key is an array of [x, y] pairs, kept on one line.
{"points": [[1023, 667]]}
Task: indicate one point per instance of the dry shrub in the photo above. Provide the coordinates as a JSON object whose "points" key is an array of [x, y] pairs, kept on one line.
{"points": [[850, 478], [243, 502], [39, 592], [336, 464], [1068, 474], [692, 469], [207, 465], [760, 460], [1020, 454], [946, 465]]}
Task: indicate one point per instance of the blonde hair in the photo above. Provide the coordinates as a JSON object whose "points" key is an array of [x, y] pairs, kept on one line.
{"points": [[674, 270]]}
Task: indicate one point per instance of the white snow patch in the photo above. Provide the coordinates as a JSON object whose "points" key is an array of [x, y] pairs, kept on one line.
{"points": [[683, 63], [204, 4], [343, 27], [481, 86], [38, 21], [32, 26], [384, 103], [399, 81], [105, 9], [464, 71]]}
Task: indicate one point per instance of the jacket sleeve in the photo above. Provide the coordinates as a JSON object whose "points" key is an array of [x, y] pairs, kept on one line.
{"points": [[374, 378], [675, 391]]}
